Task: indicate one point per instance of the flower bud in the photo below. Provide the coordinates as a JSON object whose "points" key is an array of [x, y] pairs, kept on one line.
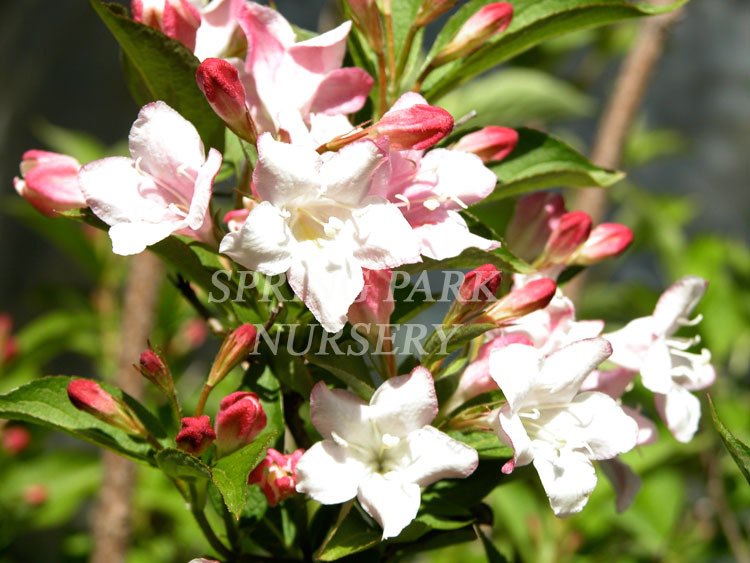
{"points": [[195, 435], [235, 348], [366, 16], [567, 236], [88, 396], [240, 419], [35, 494], [532, 222], [606, 240], [220, 83], [430, 10], [15, 439], [533, 296], [489, 21], [153, 368], [50, 182], [417, 127], [490, 144], [375, 304], [481, 284], [276, 475]]}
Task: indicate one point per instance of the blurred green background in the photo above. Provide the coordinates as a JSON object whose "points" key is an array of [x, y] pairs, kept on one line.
{"points": [[686, 198]]}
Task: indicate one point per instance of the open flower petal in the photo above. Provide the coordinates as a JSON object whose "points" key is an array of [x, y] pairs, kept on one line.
{"points": [[437, 456], [285, 172], [328, 474], [405, 403], [339, 414], [392, 503], [568, 479]]}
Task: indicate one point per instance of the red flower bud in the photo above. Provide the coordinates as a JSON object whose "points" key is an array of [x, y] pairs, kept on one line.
{"points": [[480, 285], [15, 439], [571, 232], [490, 144], [88, 396], [195, 435], [606, 240], [153, 368], [241, 418], [235, 348], [276, 475], [220, 83], [489, 21], [417, 127], [50, 182], [533, 296], [532, 223], [35, 495]]}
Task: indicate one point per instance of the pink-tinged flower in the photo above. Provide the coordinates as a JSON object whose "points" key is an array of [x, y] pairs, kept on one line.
{"points": [[277, 475], [570, 232], [220, 83], [480, 28], [318, 224], [431, 188], [88, 396], [649, 345], [530, 227], [50, 182], [196, 434], [605, 241], [235, 219], [375, 304], [476, 378], [382, 452], [235, 348], [15, 439], [289, 82], [417, 127], [178, 19], [522, 301], [35, 494], [550, 423], [240, 419], [164, 188], [555, 325], [491, 144]]}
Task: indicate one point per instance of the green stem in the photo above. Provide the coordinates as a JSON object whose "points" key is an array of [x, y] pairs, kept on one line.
{"points": [[205, 392], [205, 526], [404, 56]]}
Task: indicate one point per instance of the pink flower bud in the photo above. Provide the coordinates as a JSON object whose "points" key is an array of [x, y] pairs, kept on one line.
{"points": [[490, 144], [606, 240], [220, 83], [241, 418], [50, 182], [489, 21], [375, 304], [571, 232], [366, 16], [15, 439], [430, 10], [88, 396], [235, 348], [532, 223], [153, 368], [35, 494], [195, 435], [480, 285], [416, 127], [533, 296], [276, 475]]}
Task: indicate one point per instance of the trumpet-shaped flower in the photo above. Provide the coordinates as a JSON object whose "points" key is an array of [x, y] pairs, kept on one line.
{"points": [[550, 423], [317, 224], [649, 345], [164, 188], [382, 452]]}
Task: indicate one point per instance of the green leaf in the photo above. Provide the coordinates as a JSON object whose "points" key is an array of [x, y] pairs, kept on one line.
{"points": [[45, 401], [493, 555], [739, 451], [349, 369], [352, 535], [469, 259], [403, 14], [179, 465], [448, 338], [160, 68], [230, 472], [541, 161], [487, 444], [534, 21], [266, 386], [515, 96]]}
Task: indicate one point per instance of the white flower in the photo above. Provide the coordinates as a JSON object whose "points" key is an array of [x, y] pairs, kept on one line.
{"points": [[164, 188], [648, 345], [549, 423], [317, 225], [382, 452]]}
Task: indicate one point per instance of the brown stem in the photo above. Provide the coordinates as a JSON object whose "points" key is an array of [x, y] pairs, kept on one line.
{"points": [[112, 516], [382, 84], [389, 38], [621, 110]]}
